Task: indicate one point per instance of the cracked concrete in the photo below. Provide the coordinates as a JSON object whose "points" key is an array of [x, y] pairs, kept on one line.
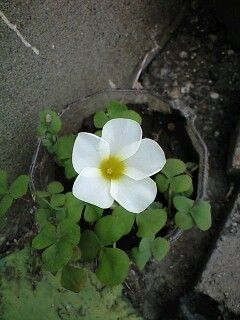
{"points": [[84, 47], [221, 277]]}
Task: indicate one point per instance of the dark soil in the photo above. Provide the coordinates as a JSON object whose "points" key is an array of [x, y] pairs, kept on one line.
{"points": [[199, 66]]}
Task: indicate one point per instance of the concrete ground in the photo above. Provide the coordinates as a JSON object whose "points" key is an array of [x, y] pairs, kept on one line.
{"points": [[64, 50]]}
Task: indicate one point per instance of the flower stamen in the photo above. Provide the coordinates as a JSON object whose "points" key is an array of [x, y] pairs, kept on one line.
{"points": [[112, 168]]}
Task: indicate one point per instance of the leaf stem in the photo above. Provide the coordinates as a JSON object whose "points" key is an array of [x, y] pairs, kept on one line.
{"points": [[170, 202]]}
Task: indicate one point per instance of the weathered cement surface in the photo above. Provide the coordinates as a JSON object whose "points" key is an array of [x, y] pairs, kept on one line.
{"points": [[234, 154], [221, 277], [197, 66], [82, 45]]}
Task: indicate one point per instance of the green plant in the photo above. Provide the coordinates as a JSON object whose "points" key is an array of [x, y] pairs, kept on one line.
{"points": [[60, 147], [115, 109], [10, 193], [192, 213], [66, 248]]}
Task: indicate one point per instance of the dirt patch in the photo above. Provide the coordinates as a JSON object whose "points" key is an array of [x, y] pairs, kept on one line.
{"points": [[199, 67]]}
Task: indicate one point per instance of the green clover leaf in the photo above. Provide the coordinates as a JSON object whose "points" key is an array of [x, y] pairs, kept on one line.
{"points": [[98, 133], [192, 213], [74, 207], [73, 279], [5, 204], [92, 213], [59, 243], [143, 253], [90, 245], [184, 220], [68, 169], [173, 167], [64, 146], [133, 115], [174, 178], [126, 217], [43, 216], [180, 183], [115, 109], [155, 205], [140, 258], [49, 121], [201, 214], [109, 229], [45, 238], [19, 187], [55, 187], [150, 222], [68, 231], [182, 203], [100, 118], [113, 266], [57, 256], [162, 182], [77, 254], [57, 200], [160, 248]]}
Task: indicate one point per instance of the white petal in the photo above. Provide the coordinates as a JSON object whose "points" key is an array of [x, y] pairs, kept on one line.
{"points": [[148, 160], [123, 135], [92, 188], [135, 196], [88, 150]]}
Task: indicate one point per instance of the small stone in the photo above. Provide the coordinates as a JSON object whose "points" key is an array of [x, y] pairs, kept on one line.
{"points": [[175, 93], [216, 134], [193, 56], [188, 86], [183, 54], [214, 95], [185, 90]]}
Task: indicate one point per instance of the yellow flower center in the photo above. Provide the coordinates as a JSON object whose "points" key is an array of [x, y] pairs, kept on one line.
{"points": [[112, 168]]}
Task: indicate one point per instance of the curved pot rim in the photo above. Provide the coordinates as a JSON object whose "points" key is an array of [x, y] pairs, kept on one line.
{"points": [[165, 106]]}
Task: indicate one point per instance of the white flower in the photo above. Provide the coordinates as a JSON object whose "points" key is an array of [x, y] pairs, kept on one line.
{"points": [[117, 166]]}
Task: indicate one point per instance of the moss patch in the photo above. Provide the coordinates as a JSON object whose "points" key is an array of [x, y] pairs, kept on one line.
{"points": [[27, 294]]}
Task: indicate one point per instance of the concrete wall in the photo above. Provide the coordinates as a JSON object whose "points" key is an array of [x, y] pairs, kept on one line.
{"points": [[77, 48]]}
